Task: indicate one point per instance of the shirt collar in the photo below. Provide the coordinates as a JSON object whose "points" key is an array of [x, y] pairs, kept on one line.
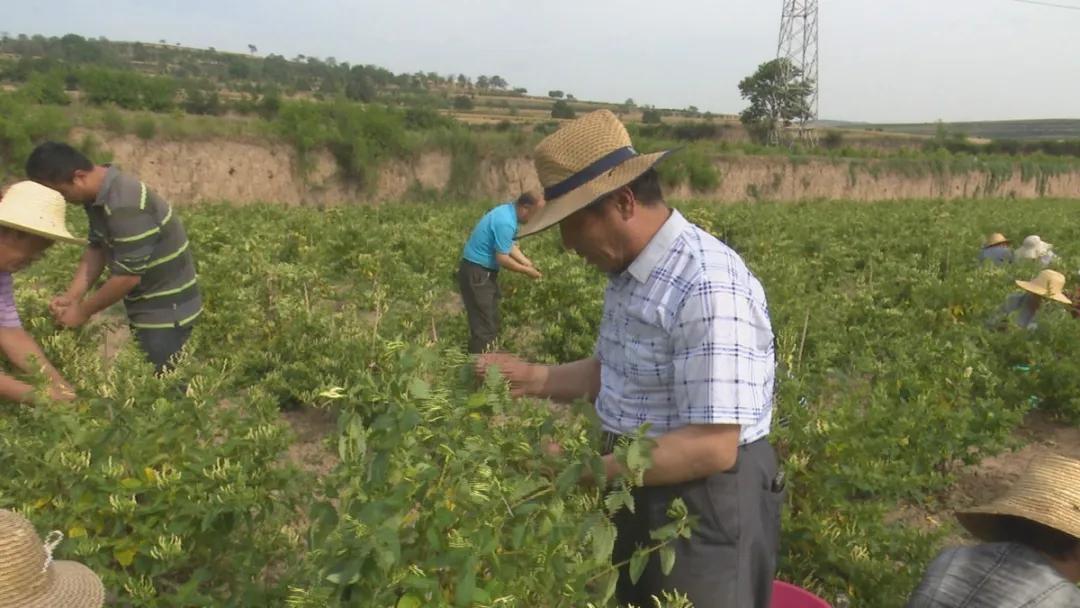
{"points": [[106, 184], [646, 261]]}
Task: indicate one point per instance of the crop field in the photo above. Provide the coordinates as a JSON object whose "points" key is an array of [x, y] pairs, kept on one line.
{"points": [[427, 488]]}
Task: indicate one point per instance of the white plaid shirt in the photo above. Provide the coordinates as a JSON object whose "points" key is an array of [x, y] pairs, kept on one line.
{"points": [[685, 339]]}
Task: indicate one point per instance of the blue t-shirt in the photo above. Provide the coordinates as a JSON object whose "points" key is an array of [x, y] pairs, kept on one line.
{"points": [[494, 233]]}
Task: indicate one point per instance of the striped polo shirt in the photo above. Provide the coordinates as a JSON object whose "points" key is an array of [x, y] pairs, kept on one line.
{"points": [[9, 316], [143, 237]]}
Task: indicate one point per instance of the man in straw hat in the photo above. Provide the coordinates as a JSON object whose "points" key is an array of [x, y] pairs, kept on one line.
{"points": [[30, 578], [491, 246], [1030, 556], [996, 249], [135, 233], [1048, 285], [686, 347], [31, 220]]}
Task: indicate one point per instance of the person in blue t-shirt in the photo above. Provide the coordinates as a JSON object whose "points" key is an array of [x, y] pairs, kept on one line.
{"points": [[491, 246]]}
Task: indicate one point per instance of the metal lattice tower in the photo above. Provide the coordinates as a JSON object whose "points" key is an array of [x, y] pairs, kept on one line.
{"points": [[799, 45]]}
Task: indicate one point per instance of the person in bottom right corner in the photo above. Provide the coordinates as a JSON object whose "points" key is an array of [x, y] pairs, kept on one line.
{"points": [[1047, 285], [1029, 554]]}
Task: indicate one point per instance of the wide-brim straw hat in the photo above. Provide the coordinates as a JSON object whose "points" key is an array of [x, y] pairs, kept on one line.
{"points": [[1047, 284], [995, 239], [584, 161], [1048, 493], [29, 578], [36, 209], [1033, 247]]}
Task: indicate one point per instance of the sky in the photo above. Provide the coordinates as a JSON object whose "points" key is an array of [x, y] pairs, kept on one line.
{"points": [[880, 60]]}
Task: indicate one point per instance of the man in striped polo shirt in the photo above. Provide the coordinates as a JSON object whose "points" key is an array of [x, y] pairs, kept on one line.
{"points": [[134, 233]]}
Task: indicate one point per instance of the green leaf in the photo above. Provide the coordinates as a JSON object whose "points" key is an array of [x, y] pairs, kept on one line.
{"points": [[638, 561], [419, 388], [610, 581], [667, 559], [603, 541], [409, 601], [466, 586]]}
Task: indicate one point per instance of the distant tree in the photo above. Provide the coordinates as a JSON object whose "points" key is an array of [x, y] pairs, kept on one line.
{"points": [[463, 102], [462, 81], [555, 94], [483, 83], [561, 109], [212, 50], [358, 86], [252, 49], [692, 110], [520, 91], [779, 94], [162, 41], [651, 116], [497, 82], [570, 97]]}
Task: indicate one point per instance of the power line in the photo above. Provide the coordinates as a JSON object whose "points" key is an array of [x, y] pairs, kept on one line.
{"points": [[1071, 7]]}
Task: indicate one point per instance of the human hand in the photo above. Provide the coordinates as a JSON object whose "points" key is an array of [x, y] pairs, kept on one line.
{"points": [[525, 378], [62, 393], [71, 316], [59, 303], [534, 273]]}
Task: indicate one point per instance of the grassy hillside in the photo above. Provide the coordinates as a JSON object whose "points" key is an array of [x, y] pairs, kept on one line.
{"points": [[1019, 130]]}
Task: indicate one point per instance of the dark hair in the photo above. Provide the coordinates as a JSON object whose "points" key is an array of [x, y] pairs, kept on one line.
{"points": [[527, 199], [1055, 543], [646, 188], [55, 163]]}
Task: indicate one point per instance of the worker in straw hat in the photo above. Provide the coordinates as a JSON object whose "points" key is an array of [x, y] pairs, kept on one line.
{"points": [[1030, 550], [135, 234], [1034, 248], [1048, 285], [685, 347], [31, 220], [30, 578], [996, 249]]}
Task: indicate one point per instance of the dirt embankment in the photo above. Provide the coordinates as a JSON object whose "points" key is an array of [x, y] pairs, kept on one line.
{"points": [[245, 172]]}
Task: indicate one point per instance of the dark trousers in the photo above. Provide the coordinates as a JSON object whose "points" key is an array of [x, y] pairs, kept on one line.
{"points": [[480, 293], [730, 559], [160, 345]]}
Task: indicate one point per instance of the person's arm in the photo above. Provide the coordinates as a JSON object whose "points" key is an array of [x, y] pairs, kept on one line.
{"points": [[111, 292], [90, 268], [25, 354], [691, 452], [519, 257], [506, 261], [503, 234], [564, 383]]}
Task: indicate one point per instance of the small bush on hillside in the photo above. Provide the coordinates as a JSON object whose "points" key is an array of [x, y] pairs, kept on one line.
{"points": [[463, 102], [651, 116], [114, 121], [561, 109], [146, 127], [833, 140]]}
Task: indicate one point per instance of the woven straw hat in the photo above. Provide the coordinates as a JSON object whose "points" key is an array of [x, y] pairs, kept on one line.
{"points": [[1033, 248], [583, 161], [31, 207], [1047, 493], [1047, 284], [995, 239], [29, 578]]}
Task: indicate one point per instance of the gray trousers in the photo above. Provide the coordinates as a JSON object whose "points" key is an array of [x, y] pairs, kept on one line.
{"points": [[730, 559], [480, 292], [161, 345]]}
